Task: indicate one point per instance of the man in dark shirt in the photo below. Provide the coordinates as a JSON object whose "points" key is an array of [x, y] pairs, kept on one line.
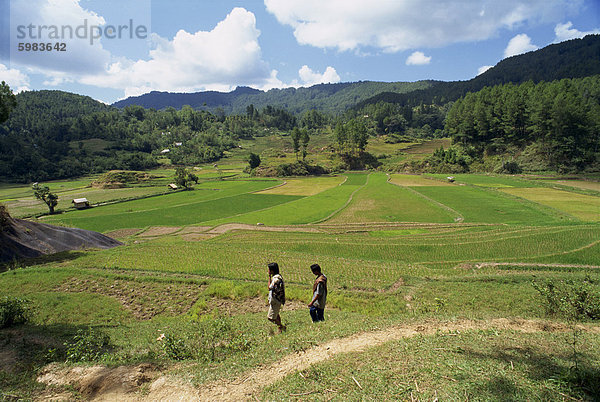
{"points": [[317, 305]]}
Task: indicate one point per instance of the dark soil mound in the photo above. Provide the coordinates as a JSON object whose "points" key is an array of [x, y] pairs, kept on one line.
{"points": [[25, 239]]}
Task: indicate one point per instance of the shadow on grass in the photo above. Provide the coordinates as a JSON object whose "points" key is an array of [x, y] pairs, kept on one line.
{"points": [[45, 259], [26, 349], [552, 367]]}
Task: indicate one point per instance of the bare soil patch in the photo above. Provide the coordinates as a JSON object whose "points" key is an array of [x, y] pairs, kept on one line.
{"points": [[8, 359], [121, 233], [98, 382], [160, 231], [194, 229], [197, 236], [397, 285], [26, 239], [241, 226], [144, 299]]}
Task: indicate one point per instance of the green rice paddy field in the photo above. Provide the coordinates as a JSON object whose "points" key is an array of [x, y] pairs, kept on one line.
{"points": [[397, 250]]}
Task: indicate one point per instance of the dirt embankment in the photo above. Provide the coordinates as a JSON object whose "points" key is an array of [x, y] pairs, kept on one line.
{"points": [[26, 239]]}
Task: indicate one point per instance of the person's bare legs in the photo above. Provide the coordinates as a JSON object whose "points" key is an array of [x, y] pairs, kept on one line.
{"points": [[277, 321]]}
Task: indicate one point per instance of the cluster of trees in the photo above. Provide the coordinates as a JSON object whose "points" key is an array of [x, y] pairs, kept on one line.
{"points": [[559, 121], [53, 134], [400, 122]]}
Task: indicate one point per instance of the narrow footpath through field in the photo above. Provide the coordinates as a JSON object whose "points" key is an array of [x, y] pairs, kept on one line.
{"points": [[101, 384]]}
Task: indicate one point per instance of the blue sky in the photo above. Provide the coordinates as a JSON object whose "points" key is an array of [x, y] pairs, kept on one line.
{"points": [[193, 45]]}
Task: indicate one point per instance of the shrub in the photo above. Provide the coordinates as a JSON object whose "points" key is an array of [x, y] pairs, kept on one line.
{"points": [[211, 339], [299, 168], [175, 348], [570, 299], [87, 346], [13, 311], [511, 167], [357, 161], [254, 160]]}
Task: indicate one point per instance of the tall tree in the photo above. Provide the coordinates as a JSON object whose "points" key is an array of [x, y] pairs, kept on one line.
{"points": [[184, 178], [253, 160], [296, 134], [43, 193], [304, 138], [8, 101]]}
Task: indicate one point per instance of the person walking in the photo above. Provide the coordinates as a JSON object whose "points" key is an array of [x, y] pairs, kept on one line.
{"points": [[276, 295], [317, 304]]}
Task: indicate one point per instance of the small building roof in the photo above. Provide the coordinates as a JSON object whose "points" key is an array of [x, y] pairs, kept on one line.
{"points": [[80, 200]]}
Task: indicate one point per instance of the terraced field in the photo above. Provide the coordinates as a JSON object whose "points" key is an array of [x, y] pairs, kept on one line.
{"points": [[208, 201], [435, 277], [316, 208], [380, 201], [584, 207]]}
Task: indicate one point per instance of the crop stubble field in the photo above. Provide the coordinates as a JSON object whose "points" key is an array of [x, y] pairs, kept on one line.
{"points": [[395, 249]]}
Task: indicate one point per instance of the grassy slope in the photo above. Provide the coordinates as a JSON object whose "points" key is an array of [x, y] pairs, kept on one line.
{"points": [[377, 278]]}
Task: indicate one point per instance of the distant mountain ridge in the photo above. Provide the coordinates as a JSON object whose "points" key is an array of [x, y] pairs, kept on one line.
{"points": [[570, 59], [197, 100], [333, 98], [576, 58]]}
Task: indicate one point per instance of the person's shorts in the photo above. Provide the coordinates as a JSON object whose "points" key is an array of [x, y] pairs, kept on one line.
{"points": [[274, 308]]}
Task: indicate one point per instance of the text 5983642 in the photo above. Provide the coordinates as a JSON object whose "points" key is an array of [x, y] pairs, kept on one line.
{"points": [[42, 47]]}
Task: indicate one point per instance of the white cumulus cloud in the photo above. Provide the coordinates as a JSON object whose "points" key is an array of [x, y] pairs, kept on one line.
{"points": [[16, 80], [310, 77], [483, 69], [227, 56], [518, 45], [418, 59], [566, 31], [394, 26], [220, 59]]}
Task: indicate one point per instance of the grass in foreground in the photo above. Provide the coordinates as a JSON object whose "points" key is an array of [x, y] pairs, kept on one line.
{"points": [[461, 365]]}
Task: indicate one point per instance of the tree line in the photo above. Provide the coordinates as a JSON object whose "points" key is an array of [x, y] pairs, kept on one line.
{"points": [[557, 123], [53, 134]]}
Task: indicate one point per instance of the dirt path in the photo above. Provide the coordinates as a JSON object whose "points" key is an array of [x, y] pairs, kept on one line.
{"points": [[227, 227], [249, 385], [533, 265]]}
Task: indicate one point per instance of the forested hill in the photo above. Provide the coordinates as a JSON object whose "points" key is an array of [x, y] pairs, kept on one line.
{"points": [[36, 108], [331, 98], [198, 100], [575, 58]]}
